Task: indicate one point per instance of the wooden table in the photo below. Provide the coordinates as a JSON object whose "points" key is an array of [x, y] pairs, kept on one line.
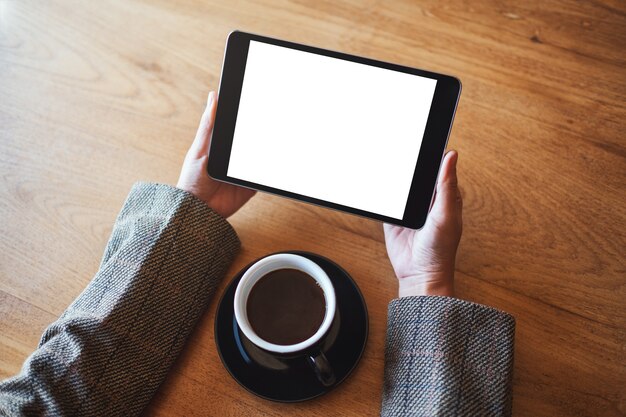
{"points": [[97, 95]]}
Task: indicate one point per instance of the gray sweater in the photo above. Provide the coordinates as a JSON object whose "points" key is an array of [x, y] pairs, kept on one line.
{"points": [[109, 351]]}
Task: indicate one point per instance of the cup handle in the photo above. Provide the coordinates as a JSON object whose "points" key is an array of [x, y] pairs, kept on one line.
{"points": [[323, 371]]}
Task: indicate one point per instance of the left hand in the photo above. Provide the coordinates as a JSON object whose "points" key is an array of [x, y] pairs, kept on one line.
{"points": [[224, 198]]}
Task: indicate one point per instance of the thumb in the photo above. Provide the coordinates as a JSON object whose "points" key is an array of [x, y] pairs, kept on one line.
{"points": [[448, 203], [200, 145]]}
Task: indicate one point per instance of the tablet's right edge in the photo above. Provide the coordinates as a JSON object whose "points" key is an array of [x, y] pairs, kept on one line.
{"points": [[437, 132]]}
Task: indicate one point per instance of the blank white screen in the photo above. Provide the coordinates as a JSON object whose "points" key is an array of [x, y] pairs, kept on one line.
{"points": [[330, 129]]}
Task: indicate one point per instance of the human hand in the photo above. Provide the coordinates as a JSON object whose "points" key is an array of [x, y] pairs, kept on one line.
{"points": [[424, 260], [224, 198]]}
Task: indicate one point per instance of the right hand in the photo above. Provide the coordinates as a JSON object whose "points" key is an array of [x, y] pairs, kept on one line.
{"points": [[423, 260]]}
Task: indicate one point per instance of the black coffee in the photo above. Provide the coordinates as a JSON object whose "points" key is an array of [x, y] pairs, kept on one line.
{"points": [[286, 307]]}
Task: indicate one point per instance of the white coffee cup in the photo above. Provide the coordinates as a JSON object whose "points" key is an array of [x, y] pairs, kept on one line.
{"points": [[273, 263]]}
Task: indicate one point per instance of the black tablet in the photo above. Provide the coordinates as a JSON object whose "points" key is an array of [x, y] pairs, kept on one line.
{"points": [[337, 130]]}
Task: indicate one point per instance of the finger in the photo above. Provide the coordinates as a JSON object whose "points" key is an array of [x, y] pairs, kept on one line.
{"points": [[390, 229], [448, 202], [200, 145]]}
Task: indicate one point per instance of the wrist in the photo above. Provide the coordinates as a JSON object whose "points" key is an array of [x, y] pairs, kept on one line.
{"points": [[440, 284]]}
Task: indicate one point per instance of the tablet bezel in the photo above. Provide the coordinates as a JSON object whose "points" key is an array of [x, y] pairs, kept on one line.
{"points": [[436, 133]]}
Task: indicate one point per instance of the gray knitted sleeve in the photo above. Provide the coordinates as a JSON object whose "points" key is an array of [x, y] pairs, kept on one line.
{"points": [[109, 351], [447, 357]]}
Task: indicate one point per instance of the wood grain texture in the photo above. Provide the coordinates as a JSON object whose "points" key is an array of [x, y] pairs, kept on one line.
{"points": [[97, 95]]}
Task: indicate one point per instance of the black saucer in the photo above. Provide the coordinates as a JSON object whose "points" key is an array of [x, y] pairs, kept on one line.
{"points": [[293, 380]]}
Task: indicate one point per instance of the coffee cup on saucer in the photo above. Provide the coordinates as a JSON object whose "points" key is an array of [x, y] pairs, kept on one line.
{"points": [[285, 305]]}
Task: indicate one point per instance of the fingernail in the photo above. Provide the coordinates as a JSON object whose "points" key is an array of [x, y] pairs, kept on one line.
{"points": [[454, 155], [210, 99]]}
